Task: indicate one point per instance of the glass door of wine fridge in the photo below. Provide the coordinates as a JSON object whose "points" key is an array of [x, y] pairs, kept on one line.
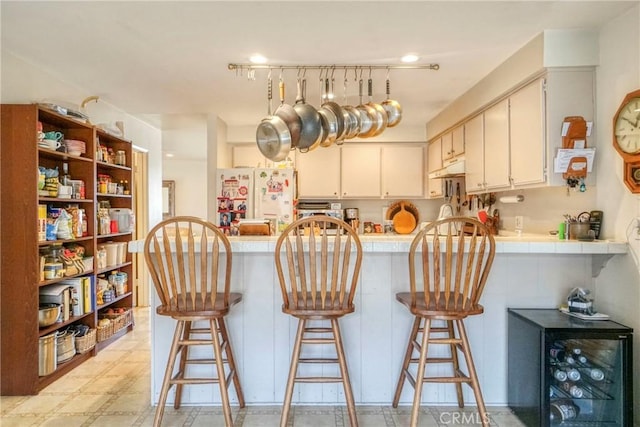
{"points": [[569, 372]]}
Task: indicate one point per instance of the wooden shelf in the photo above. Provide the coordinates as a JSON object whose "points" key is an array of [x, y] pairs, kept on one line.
{"points": [[21, 259]]}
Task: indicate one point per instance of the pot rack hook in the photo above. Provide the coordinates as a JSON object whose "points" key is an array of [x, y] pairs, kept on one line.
{"points": [[281, 71], [269, 75], [369, 73], [388, 71], [355, 73]]}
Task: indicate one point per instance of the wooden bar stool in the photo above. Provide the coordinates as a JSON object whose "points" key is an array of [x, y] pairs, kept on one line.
{"points": [[190, 264], [449, 262], [318, 282]]}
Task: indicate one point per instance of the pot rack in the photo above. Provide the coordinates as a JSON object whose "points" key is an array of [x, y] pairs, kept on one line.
{"points": [[250, 68]]}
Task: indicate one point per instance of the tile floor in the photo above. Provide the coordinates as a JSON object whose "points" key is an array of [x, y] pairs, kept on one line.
{"points": [[113, 389]]}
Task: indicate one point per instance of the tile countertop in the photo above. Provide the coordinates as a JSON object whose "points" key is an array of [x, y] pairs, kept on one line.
{"points": [[526, 243]]}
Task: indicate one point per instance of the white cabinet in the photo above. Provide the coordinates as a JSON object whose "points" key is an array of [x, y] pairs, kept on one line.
{"points": [[496, 146], [248, 156], [434, 162], [402, 171], [360, 171], [474, 154], [354, 171], [319, 173], [527, 138], [453, 143]]}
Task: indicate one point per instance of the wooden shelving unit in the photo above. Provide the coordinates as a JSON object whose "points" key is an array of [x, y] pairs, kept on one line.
{"points": [[20, 245]]}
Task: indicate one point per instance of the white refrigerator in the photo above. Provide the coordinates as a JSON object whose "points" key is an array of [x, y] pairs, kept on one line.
{"points": [[249, 193], [274, 197]]}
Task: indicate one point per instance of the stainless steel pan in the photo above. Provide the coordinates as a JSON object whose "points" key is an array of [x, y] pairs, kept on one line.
{"points": [[311, 127], [367, 117], [340, 115], [392, 107], [381, 118], [289, 116], [272, 135]]}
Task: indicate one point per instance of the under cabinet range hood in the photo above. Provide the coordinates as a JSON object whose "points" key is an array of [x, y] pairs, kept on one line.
{"points": [[452, 168]]}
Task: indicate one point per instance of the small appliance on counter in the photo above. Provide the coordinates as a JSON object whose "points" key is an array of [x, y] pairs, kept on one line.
{"points": [[352, 217], [580, 305], [311, 208]]}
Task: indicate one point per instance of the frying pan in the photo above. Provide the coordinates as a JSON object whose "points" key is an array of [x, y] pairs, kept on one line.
{"points": [[328, 118], [272, 135], [380, 118], [392, 107], [337, 111], [311, 127], [352, 116], [367, 117], [289, 116]]}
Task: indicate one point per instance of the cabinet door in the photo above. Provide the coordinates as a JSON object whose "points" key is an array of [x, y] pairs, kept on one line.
{"points": [[496, 146], [248, 156], [360, 171], [474, 154], [402, 171], [526, 123], [447, 146], [457, 141], [319, 173], [434, 162]]}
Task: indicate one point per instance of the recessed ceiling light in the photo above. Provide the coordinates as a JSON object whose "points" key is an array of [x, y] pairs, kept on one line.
{"points": [[409, 58], [257, 59], [168, 155]]}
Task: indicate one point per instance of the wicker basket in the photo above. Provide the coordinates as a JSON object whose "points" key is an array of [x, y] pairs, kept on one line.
{"points": [[105, 332], [86, 342], [119, 321]]}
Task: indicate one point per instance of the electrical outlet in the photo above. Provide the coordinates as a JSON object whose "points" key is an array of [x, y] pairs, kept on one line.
{"points": [[519, 222]]}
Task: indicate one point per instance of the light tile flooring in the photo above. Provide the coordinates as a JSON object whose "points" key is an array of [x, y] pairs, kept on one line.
{"points": [[113, 389]]}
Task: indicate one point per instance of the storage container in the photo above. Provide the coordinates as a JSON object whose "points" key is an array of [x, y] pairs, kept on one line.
{"points": [[112, 253], [47, 352]]}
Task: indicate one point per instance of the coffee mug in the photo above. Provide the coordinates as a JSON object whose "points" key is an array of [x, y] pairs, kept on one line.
{"points": [[52, 144], [56, 136]]}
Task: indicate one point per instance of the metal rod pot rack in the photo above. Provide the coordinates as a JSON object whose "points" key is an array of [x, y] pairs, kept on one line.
{"points": [[248, 67]]}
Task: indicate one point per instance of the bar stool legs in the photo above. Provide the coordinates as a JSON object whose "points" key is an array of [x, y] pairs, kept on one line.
{"points": [[458, 377], [180, 346], [336, 339]]}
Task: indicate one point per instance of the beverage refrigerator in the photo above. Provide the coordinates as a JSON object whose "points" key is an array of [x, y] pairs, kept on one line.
{"points": [[567, 371], [250, 193]]}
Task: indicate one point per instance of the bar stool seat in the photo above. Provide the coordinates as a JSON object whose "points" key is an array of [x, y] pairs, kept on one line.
{"points": [[318, 276], [189, 260], [449, 263]]}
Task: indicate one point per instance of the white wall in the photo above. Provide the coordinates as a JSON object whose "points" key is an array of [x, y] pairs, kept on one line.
{"points": [[618, 286], [24, 83]]}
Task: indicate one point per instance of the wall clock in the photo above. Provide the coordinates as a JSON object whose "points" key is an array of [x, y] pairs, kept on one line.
{"points": [[626, 127]]}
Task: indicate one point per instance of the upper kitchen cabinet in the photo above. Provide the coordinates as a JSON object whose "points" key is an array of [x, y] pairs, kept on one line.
{"points": [[496, 146], [434, 162], [402, 171], [453, 143], [319, 173], [522, 132], [526, 127], [360, 171], [474, 154], [248, 156]]}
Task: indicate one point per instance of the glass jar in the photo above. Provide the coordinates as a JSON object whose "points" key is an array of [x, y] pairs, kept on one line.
{"points": [[121, 158]]}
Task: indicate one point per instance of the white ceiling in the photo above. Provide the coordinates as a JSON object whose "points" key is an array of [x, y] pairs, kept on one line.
{"points": [[156, 59]]}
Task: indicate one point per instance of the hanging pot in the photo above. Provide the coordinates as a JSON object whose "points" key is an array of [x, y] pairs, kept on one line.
{"points": [[352, 116], [392, 107], [340, 115], [311, 127], [381, 118], [289, 116], [328, 118], [272, 135], [367, 117]]}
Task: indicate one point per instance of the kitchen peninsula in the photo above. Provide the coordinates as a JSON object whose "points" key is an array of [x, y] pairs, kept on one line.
{"points": [[528, 271]]}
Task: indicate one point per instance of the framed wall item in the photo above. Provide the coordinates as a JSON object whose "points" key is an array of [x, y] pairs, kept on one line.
{"points": [[168, 199]]}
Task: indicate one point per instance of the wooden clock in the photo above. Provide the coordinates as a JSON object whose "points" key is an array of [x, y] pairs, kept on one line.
{"points": [[626, 138]]}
